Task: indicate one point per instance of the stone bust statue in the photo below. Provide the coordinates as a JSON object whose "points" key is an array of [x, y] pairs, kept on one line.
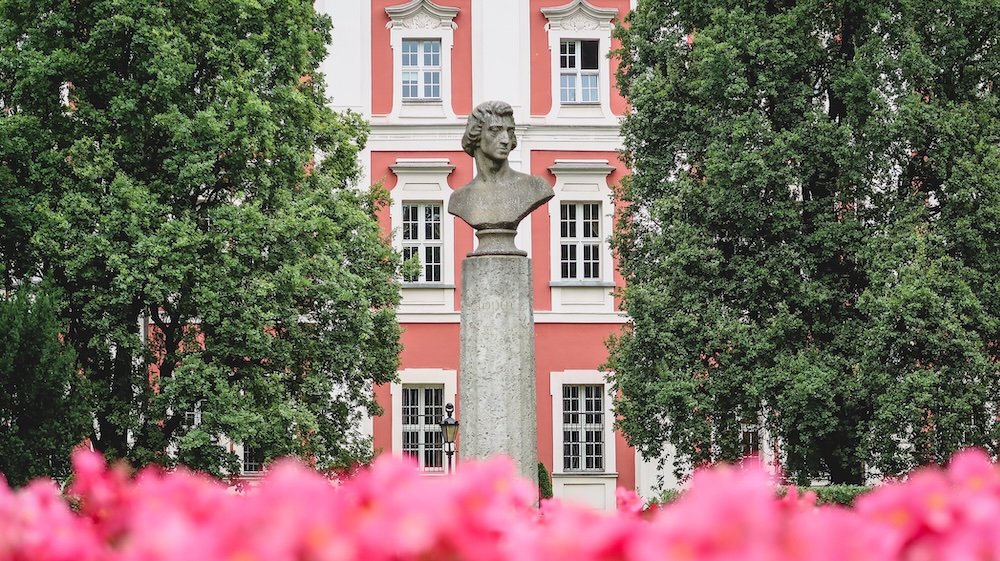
{"points": [[498, 198]]}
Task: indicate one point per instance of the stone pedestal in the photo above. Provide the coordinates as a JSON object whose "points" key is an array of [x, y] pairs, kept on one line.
{"points": [[497, 378]]}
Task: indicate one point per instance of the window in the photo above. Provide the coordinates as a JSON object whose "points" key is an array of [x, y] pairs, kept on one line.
{"points": [[422, 411], [253, 459], [421, 69], [584, 459], [579, 40], [422, 36], [192, 417], [750, 440], [580, 241], [583, 427], [421, 224], [578, 71]]}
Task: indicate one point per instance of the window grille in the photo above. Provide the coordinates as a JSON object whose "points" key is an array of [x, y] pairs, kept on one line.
{"points": [[422, 410], [583, 427], [578, 71], [580, 241], [422, 240], [253, 459], [421, 65]]}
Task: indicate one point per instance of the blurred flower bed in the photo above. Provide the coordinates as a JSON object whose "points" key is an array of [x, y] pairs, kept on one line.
{"points": [[484, 513]]}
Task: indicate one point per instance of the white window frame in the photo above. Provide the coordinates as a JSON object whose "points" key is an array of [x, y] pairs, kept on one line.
{"points": [[192, 417], [603, 481], [585, 452], [422, 242], [421, 20], [419, 377], [575, 22], [572, 50], [244, 451], [578, 221], [425, 180], [424, 427], [578, 182], [421, 69]]}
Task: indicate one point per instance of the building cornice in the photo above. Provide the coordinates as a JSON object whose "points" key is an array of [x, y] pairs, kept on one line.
{"points": [[595, 167], [612, 318]]}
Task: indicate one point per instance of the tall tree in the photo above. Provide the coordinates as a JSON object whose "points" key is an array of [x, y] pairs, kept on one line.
{"points": [[211, 271], [781, 155], [44, 406]]}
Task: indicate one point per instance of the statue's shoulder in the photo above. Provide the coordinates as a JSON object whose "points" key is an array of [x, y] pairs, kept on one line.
{"points": [[459, 200], [541, 186]]}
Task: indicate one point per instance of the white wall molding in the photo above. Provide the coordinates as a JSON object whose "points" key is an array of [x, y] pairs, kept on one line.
{"points": [[421, 19], [595, 489], [579, 20], [418, 376], [425, 180]]}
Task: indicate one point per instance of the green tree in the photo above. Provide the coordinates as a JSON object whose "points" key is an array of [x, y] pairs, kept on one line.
{"points": [[44, 405], [788, 158], [164, 155]]}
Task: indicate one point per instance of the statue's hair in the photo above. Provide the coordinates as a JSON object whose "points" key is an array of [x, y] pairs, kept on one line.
{"points": [[478, 117]]}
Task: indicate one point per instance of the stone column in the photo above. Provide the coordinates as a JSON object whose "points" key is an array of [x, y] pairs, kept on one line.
{"points": [[496, 381]]}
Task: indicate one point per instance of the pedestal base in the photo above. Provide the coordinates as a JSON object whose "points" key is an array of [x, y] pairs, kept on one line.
{"points": [[497, 376]]}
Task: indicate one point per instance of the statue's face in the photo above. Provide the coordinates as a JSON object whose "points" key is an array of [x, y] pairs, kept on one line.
{"points": [[497, 138]]}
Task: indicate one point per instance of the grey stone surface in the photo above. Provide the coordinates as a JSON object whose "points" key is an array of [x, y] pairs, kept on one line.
{"points": [[498, 198], [497, 372]]}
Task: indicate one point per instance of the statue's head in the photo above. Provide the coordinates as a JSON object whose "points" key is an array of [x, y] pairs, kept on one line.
{"points": [[483, 114]]}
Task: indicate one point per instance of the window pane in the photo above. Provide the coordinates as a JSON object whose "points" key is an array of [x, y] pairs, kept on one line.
{"points": [[567, 87], [588, 88], [432, 53], [588, 55], [591, 220], [409, 52], [422, 410], [409, 252], [591, 261], [253, 459], [410, 224], [432, 264], [409, 84], [567, 220], [583, 442], [567, 54], [432, 222], [432, 84]]}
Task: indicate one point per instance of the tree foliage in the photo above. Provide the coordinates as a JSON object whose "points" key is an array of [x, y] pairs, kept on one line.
{"points": [[811, 240], [44, 405], [159, 165]]}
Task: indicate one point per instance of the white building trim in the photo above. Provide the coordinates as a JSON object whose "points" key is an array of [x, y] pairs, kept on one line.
{"points": [[417, 376], [582, 181], [593, 489], [425, 180], [540, 318], [421, 19], [579, 20]]}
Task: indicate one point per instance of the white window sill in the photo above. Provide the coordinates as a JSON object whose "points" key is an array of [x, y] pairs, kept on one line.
{"points": [[581, 283], [426, 285], [422, 108], [581, 109], [587, 474]]}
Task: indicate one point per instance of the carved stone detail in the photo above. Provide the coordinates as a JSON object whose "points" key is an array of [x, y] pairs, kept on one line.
{"points": [[422, 20], [421, 14], [579, 22]]}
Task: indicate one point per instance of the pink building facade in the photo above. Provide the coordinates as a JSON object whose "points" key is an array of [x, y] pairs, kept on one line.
{"points": [[415, 69]]}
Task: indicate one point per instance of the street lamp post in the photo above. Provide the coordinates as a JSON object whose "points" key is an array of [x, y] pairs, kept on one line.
{"points": [[449, 429]]}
